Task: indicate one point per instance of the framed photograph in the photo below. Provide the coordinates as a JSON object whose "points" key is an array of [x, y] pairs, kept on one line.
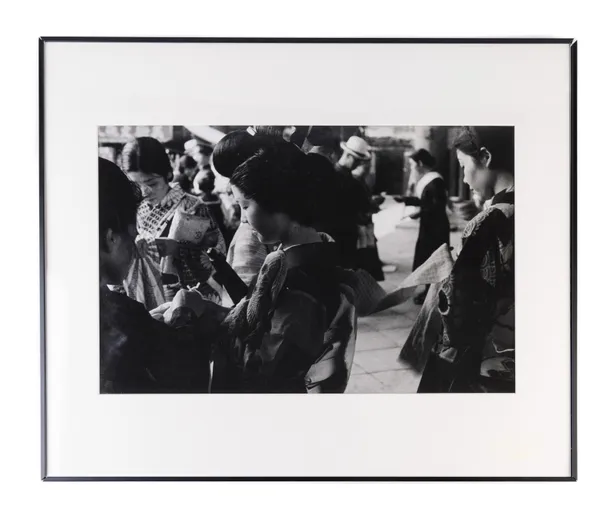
{"points": [[230, 224]]}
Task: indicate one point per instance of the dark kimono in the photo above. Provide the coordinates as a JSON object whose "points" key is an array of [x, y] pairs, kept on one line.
{"points": [[464, 336], [309, 342], [139, 354], [434, 224], [353, 231]]}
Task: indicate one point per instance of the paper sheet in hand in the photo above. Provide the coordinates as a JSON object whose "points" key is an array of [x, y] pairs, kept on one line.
{"points": [[190, 228], [372, 298]]}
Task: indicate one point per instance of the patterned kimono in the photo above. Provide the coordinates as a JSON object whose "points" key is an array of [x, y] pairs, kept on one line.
{"points": [[192, 267], [465, 332], [295, 332]]}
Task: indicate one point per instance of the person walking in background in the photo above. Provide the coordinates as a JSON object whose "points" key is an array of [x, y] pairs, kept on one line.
{"points": [[199, 152], [321, 140], [185, 173], [203, 188], [178, 223], [359, 243], [431, 198]]}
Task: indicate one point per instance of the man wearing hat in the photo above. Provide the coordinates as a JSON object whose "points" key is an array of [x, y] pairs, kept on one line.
{"points": [[354, 152], [359, 243]]}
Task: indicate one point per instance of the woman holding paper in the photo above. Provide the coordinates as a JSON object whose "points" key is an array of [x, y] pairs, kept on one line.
{"points": [[431, 198], [178, 223], [466, 329]]}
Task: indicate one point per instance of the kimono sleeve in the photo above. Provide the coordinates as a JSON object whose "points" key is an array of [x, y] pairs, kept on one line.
{"points": [[246, 253], [296, 336]]}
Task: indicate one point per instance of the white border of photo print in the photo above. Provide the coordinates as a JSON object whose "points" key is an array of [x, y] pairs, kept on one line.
{"points": [[93, 83]]}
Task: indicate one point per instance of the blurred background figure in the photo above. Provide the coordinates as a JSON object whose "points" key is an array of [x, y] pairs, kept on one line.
{"points": [[203, 188], [199, 151], [322, 140], [431, 198], [185, 172], [358, 204], [174, 151], [355, 152]]}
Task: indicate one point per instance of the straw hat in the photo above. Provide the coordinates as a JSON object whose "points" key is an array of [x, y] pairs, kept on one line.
{"points": [[357, 147], [196, 145]]}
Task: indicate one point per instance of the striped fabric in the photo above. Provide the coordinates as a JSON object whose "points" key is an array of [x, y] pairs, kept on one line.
{"points": [[143, 281]]}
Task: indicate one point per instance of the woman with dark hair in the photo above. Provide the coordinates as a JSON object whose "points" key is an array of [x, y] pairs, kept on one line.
{"points": [[179, 223], [139, 354], [246, 253], [295, 331], [431, 198], [475, 350], [486, 155], [322, 140]]}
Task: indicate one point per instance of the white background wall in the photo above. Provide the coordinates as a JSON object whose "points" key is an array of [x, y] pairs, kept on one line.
{"points": [[21, 23]]}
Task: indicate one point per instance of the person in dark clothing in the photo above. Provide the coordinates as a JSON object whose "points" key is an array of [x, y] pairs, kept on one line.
{"points": [[138, 353], [359, 244], [431, 198], [464, 336], [322, 140], [185, 174]]}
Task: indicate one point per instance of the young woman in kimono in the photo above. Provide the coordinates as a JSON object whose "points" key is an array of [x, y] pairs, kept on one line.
{"points": [[472, 312], [181, 261], [138, 353], [246, 253], [431, 198], [295, 331]]}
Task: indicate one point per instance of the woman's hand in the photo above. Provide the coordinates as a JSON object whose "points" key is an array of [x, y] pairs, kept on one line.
{"points": [[190, 308], [159, 312]]}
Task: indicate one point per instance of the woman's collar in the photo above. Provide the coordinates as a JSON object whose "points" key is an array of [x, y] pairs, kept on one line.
{"points": [[426, 179], [317, 253]]}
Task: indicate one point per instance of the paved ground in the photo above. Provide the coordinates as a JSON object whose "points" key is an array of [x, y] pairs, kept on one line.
{"points": [[376, 368]]}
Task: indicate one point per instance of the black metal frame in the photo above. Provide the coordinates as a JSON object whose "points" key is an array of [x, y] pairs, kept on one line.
{"points": [[573, 242]]}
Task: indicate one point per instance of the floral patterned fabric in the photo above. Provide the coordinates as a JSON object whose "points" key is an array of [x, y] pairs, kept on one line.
{"points": [[192, 267], [464, 336]]}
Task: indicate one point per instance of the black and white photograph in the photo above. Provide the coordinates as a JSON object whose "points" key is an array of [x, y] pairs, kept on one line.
{"points": [[306, 259]]}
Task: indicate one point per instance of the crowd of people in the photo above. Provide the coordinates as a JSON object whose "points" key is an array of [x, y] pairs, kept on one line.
{"points": [[293, 224]]}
